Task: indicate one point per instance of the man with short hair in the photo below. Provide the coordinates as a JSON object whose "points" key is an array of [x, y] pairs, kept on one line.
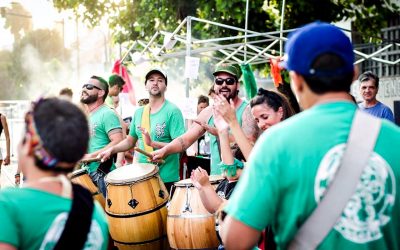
{"points": [[164, 122], [293, 164], [369, 87], [36, 216], [116, 84], [226, 83], [105, 128]]}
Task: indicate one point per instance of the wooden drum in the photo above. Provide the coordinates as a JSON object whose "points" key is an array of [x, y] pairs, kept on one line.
{"points": [[136, 207], [189, 224], [82, 178]]}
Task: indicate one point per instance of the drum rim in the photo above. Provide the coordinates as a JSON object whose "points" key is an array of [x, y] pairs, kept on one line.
{"points": [[147, 176], [79, 172], [190, 184]]}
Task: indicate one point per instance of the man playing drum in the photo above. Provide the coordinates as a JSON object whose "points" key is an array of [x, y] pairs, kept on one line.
{"points": [[105, 128], [164, 122], [39, 215]]}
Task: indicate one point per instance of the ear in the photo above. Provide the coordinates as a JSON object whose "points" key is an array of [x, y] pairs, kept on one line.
{"points": [[297, 82], [280, 113], [26, 145]]}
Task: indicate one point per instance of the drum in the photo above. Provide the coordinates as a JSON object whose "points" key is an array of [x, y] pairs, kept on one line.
{"points": [[136, 207], [189, 224], [82, 178]]}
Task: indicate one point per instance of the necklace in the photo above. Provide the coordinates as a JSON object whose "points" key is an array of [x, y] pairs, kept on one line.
{"points": [[66, 185], [93, 109]]}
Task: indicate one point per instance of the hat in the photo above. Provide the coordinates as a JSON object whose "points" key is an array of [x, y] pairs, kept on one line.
{"points": [[230, 69], [158, 71], [312, 40]]}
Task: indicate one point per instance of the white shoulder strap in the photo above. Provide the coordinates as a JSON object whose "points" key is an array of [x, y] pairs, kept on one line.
{"points": [[363, 134]]}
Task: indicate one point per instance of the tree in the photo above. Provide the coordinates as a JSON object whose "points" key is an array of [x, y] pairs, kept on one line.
{"points": [[139, 19], [18, 20]]}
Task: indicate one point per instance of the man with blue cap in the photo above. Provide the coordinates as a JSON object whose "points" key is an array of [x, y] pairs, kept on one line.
{"points": [[293, 164]]}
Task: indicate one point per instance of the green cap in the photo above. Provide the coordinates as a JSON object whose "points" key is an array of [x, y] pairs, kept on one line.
{"points": [[230, 69]]}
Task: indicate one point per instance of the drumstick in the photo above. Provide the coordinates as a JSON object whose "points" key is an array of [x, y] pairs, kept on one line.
{"points": [[89, 160], [147, 154]]}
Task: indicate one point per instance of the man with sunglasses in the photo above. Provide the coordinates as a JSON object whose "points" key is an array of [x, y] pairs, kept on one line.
{"points": [[105, 128], [226, 84]]}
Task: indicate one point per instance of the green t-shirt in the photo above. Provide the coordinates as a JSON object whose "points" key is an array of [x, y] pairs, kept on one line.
{"points": [[32, 219], [214, 148], [293, 162], [165, 125], [102, 121]]}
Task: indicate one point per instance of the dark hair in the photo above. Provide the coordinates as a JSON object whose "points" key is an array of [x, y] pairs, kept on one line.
{"points": [[104, 85], [211, 90], [237, 153], [368, 75], [66, 91], [203, 99], [274, 100], [63, 130], [330, 80], [116, 80]]}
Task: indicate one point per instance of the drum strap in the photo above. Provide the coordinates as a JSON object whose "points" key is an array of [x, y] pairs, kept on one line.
{"points": [[360, 145], [78, 224]]}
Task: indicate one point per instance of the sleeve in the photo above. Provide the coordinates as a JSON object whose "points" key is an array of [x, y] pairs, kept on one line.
{"points": [[255, 197], [388, 114], [177, 124], [9, 227], [134, 124], [111, 121]]}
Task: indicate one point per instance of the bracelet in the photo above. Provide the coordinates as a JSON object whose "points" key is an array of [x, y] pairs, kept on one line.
{"points": [[17, 175]]}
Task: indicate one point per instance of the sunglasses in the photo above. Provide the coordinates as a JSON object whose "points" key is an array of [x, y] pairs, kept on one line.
{"points": [[228, 81], [89, 86]]}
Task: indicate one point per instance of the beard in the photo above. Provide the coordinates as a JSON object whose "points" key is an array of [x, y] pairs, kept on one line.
{"points": [[89, 99], [155, 93], [232, 94]]}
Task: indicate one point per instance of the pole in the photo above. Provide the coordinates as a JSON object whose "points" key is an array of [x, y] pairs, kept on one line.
{"points": [[188, 47], [281, 29], [245, 32]]}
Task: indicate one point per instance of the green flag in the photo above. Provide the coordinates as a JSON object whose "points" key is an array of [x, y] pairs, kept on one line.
{"points": [[250, 84]]}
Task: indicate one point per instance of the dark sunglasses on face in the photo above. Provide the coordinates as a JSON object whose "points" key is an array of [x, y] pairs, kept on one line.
{"points": [[89, 86], [228, 81]]}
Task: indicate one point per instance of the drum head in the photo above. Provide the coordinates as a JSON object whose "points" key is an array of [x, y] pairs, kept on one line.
{"points": [[130, 173], [184, 183]]}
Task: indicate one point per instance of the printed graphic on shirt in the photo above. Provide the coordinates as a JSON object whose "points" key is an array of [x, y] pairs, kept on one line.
{"points": [[369, 208], [160, 129], [94, 241], [92, 129]]}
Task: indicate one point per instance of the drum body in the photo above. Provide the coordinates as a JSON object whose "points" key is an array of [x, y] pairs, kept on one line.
{"points": [[189, 224], [82, 178], [136, 207]]}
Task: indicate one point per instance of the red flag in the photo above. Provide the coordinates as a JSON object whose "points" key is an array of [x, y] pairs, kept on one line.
{"points": [[128, 87]]}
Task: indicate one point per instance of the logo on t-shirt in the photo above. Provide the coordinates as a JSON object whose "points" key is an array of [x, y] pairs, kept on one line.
{"points": [[160, 129], [94, 240], [369, 209]]}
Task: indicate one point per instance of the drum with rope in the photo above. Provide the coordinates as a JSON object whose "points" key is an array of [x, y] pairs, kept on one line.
{"points": [[81, 177], [136, 207]]}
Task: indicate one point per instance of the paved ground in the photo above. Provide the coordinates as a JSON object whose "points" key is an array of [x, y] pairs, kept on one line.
{"points": [[7, 174]]}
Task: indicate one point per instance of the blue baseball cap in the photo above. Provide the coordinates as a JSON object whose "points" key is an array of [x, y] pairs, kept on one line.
{"points": [[312, 40]]}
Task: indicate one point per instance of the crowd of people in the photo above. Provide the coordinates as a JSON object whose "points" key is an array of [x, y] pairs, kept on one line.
{"points": [[278, 167]]}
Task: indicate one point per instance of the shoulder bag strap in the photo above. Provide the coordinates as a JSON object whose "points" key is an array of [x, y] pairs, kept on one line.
{"points": [[146, 124], [78, 224], [363, 134]]}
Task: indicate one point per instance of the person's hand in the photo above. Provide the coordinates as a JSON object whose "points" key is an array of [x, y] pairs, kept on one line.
{"points": [[225, 109], [7, 160], [157, 155], [146, 136], [200, 178], [105, 155], [219, 121], [208, 128], [17, 179]]}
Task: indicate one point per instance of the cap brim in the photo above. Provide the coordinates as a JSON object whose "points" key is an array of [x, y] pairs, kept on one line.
{"points": [[224, 71]]}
